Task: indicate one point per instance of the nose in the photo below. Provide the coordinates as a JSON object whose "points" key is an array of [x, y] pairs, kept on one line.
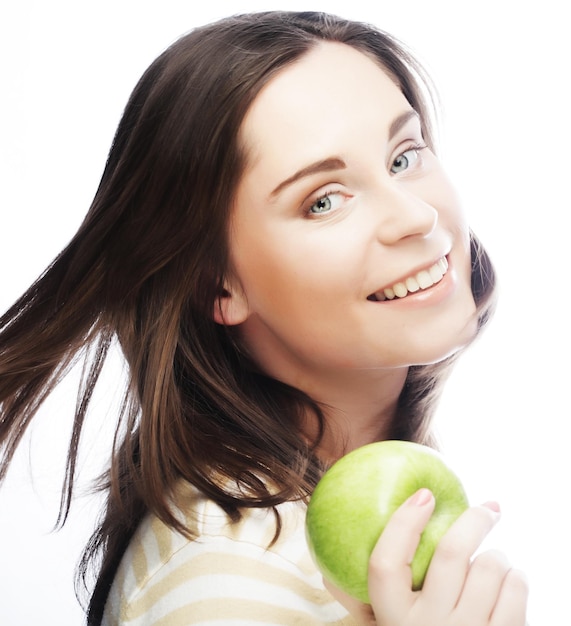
{"points": [[402, 214]]}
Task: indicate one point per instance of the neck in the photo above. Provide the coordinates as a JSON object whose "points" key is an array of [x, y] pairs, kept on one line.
{"points": [[357, 412]]}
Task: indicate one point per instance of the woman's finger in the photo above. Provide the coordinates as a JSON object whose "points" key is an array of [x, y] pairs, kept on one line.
{"points": [[390, 578], [511, 607], [449, 567], [483, 586]]}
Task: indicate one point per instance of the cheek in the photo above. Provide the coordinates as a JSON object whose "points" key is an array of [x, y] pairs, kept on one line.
{"points": [[269, 277], [443, 194], [288, 267]]}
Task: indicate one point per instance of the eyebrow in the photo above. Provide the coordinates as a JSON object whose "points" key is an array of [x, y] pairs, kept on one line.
{"points": [[327, 165], [335, 163], [402, 120]]}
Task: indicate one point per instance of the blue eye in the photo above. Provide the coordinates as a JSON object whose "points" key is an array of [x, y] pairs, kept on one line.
{"points": [[326, 203], [405, 160]]}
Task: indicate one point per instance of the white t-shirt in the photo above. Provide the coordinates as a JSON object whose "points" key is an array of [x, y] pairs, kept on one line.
{"points": [[227, 576]]}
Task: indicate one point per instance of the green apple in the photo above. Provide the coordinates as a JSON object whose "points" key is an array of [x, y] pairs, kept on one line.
{"points": [[355, 498]]}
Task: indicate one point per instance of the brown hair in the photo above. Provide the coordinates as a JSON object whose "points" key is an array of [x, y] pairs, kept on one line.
{"points": [[146, 267]]}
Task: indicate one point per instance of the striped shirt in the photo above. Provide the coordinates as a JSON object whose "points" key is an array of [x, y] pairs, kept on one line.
{"points": [[227, 576]]}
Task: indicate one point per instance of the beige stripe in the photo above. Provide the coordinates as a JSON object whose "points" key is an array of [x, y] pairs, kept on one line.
{"points": [[230, 565], [139, 562], [242, 530], [199, 513], [253, 611], [163, 535]]}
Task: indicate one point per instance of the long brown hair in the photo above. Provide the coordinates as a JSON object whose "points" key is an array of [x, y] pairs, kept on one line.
{"points": [[146, 268]]}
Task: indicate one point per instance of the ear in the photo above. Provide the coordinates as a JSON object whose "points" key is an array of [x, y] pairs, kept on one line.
{"points": [[231, 306]]}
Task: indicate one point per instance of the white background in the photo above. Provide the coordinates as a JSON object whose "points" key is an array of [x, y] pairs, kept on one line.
{"points": [[501, 67]]}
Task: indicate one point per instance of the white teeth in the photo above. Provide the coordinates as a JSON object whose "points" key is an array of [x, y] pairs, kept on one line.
{"points": [[436, 273], [412, 284], [423, 280]]}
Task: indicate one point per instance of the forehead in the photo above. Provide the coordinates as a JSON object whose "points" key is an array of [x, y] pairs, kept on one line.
{"points": [[332, 90]]}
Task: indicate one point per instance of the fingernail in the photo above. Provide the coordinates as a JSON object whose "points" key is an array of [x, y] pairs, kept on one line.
{"points": [[493, 506], [421, 497]]}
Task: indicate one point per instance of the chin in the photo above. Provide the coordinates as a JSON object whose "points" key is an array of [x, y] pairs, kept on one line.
{"points": [[437, 342], [443, 350]]}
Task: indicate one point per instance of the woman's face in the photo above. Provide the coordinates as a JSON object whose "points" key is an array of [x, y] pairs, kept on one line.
{"points": [[348, 248]]}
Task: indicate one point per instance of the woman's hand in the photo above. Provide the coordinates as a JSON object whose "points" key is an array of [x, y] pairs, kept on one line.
{"points": [[457, 591]]}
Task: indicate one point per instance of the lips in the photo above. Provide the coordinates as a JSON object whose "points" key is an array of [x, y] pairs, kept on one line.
{"points": [[417, 282]]}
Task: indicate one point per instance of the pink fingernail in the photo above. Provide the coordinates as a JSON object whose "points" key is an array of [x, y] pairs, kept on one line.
{"points": [[421, 497], [493, 506]]}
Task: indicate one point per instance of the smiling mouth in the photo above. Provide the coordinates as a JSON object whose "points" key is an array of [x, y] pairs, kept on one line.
{"points": [[418, 282]]}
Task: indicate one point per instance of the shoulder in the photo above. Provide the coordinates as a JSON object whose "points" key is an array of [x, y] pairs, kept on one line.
{"points": [[228, 574]]}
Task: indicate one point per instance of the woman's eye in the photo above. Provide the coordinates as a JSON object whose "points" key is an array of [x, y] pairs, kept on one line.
{"points": [[404, 160], [325, 204]]}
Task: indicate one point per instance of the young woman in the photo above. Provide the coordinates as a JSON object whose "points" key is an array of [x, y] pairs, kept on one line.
{"points": [[287, 271]]}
